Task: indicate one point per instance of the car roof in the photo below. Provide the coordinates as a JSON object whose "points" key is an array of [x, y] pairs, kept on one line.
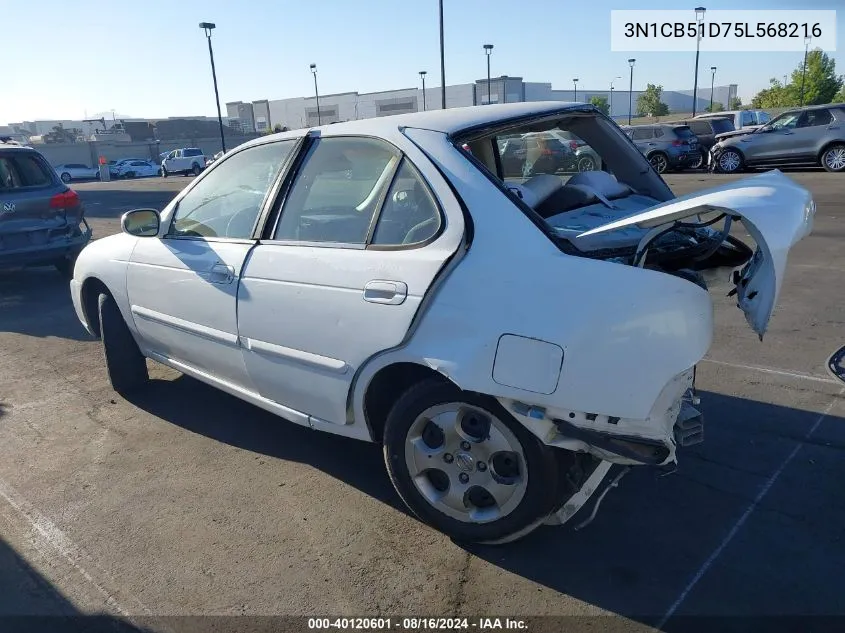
{"points": [[450, 121]]}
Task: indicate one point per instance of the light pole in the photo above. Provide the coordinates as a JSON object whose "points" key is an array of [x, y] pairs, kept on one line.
{"points": [[575, 83], [804, 68], [712, 83], [610, 109], [699, 18], [422, 76], [442, 62], [316, 93], [207, 27], [488, 48], [631, 63]]}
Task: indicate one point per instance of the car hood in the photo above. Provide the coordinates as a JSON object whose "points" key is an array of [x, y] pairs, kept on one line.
{"points": [[776, 211], [733, 133]]}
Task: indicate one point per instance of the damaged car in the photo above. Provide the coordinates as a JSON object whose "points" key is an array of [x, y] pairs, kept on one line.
{"points": [[510, 340]]}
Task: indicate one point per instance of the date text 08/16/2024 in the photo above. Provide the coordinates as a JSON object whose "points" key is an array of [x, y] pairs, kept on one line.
{"points": [[416, 624], [722, 29]]}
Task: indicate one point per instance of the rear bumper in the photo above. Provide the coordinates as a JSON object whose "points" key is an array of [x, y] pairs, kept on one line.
{"points": [[48, 252]]}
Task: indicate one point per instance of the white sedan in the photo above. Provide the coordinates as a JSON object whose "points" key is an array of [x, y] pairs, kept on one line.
{"points": [[508, 342], [76, 171], [138, 169]]}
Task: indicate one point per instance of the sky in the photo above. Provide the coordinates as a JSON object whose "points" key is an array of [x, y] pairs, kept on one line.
{"points": [[150, 59]]}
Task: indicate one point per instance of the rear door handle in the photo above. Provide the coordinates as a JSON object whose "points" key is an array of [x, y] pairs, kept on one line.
{"points": [[221, 273], [385, 291]]}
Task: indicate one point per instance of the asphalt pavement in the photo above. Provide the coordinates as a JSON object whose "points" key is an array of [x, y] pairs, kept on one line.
{"points": [[187, 501]]}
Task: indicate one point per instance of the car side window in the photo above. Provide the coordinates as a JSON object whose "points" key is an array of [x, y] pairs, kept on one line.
{"points": [[658, 132], [337, 191], [226, 201], [410, 214], [815, 117], [643, 133], [746, 118]]}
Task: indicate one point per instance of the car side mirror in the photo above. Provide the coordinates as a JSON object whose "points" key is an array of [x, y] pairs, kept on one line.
{"points": [[141, 222], [836, 364]]}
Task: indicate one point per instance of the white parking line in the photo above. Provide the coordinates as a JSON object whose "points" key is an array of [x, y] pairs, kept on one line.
{"points": [[53, 543], [741, 521], [773, 370]]}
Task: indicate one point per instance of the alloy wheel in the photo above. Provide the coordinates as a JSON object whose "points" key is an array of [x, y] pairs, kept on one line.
{"points": [[729, 161], [466, 463], [834, 158]]}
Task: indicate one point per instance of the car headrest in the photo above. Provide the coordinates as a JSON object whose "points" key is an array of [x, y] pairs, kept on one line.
{"points": [[602, 183], [536, 189]]}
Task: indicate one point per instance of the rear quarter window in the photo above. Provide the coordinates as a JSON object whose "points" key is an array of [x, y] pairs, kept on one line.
{"points": [[682, 131], [23, 170]]}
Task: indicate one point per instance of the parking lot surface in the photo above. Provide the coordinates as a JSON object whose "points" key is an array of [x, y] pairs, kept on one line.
{"points": [[189, 501]]}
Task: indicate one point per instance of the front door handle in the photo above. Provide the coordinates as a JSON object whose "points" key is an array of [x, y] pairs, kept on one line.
{"points": [[384, 291], [221, 273]]}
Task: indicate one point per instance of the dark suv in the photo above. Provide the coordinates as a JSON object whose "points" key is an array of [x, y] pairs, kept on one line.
{"points": [[665, 145], [41, 219], [706, 131]]}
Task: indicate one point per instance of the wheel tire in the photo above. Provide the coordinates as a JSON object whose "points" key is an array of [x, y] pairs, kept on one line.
{"points": [[730, 161], [130, 174], [66, 177], [65, 266], [698, 162], [540, 492], [833, 158], [195, 169], [586, 163], [125, 364], [659, 162]]}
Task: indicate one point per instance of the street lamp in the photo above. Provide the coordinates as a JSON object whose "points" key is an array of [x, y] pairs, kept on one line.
{"points": [[422, 76], [699, 18], [712, 83], [575, 83], [631, 63], [610, 109], [316, 93], [804, 68], [207, 27], [488, 48], [442, 62]]}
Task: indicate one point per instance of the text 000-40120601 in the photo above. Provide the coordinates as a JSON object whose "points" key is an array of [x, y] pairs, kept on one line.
{"points": [[722, 30]]}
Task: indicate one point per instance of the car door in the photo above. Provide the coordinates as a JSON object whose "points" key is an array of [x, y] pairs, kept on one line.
{"points": [[359, 241], [770, 142], [805, 141], [183, 284]]}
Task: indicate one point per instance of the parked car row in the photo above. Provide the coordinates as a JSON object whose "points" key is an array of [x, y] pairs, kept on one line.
{"points": [[666, 145]]}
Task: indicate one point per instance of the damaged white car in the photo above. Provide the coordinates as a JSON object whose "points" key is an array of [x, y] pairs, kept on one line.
{"points": [[508, 340]]}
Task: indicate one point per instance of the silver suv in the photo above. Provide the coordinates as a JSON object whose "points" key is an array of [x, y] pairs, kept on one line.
{"points": [[814, 135]]}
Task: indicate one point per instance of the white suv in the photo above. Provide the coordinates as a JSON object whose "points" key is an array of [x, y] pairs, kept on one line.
{"points": [[188, 160]]}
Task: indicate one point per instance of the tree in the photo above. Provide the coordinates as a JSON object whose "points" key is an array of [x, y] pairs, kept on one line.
{"points": [[600, 103], [840, 96], [59, 135], [821, 82], [649, 103], [735, 103], [716, 107], [775, 96]]}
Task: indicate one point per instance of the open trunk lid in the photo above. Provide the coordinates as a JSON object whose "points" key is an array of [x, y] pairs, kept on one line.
{"points": [[775, 210]]}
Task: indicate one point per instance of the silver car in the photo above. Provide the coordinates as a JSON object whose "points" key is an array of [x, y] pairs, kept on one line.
{"points": [[814, 135], [77, 171]]}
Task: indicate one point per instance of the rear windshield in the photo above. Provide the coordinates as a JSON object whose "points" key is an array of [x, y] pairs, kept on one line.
{"points": [[721, 126], [682, 131], [22, 170]]}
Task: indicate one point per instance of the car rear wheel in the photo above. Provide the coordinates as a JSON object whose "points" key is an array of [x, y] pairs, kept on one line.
{"points": [[833, 158], [462, 464], [65, 266], [659, 161], [65, 177], [195, 170], [586, 163], [697, 162], [130, 174], [125, 364], [730, 161]]}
